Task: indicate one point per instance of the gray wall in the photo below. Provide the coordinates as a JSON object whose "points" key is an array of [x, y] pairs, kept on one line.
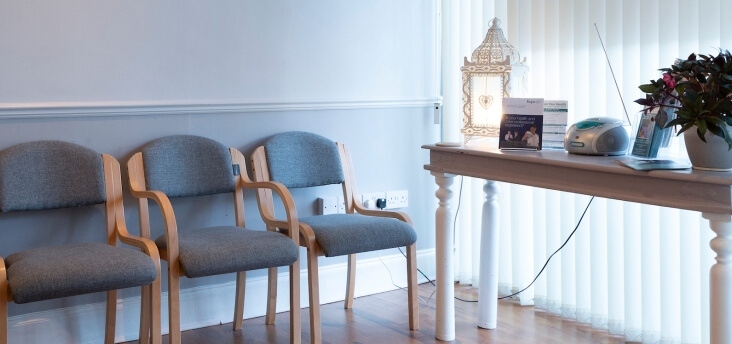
{"points": [[366, 69]]}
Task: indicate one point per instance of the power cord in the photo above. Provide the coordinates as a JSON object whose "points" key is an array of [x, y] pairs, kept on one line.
{"points": [[400, 287], [454, 227], [555, 252]]}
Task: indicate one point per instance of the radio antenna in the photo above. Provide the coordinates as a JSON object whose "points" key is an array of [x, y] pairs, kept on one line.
{"points": [[613, 74]]}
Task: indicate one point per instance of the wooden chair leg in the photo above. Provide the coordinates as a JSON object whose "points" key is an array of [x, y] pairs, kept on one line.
{"points": [[3, 304], [269, 319], [413, 303], [241, 282], [314, 298], [111, 317], [295, 322], [173, 302], [145, 308], [351, 281], [154, 309]]}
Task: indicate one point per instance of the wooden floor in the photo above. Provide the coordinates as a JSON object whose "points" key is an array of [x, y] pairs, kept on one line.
{"points": [[382, 318]]}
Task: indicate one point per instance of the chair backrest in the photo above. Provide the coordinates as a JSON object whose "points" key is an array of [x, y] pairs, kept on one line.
{"points": [[187, 165], [298, 159], [48, 175]]}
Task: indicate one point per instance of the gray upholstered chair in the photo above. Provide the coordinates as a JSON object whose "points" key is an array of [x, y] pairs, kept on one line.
{"points": [[188, 166], [52, 174], [300, 159]]}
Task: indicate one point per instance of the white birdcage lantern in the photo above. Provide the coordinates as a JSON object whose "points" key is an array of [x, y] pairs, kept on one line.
{"points": [[496, 72]]}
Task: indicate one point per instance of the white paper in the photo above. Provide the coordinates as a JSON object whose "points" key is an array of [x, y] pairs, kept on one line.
{"points": [[555, 123], [524, 106]]}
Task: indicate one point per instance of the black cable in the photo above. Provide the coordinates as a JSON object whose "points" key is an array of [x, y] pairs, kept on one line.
{"points": [[454, 226], [418, 270], [555, 252], [428, 279], [542, 268]]}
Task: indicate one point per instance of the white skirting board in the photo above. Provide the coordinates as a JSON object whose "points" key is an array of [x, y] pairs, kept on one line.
{"points": [[214, 304]]}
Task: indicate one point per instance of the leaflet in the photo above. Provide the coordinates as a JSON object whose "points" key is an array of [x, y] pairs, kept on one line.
{"points": [[522, 123]]}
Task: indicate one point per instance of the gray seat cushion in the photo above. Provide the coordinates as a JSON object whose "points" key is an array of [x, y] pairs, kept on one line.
{"points": [[187, 165], [50, 174], [298, 159], [52, 272], [220, 250], [340, 234]]}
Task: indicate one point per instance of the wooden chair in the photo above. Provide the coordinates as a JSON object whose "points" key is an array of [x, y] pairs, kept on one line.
{"points": [[188, 166], [53, 174], [299, 159]]}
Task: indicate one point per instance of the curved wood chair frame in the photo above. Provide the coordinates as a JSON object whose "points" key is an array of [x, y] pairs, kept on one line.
{"points": [[137, 185], [307, 239], [116, 229]]}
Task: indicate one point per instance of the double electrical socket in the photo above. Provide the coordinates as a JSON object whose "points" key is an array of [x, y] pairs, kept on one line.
{"points": [[331, 205], [394, 199], [336, 205], [397, 199], [369, 199]]}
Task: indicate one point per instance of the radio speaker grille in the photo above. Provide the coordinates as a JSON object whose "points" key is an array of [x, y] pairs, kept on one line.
{"points": [[613, 140]]}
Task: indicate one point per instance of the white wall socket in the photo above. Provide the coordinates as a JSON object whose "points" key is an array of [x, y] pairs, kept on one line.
{"points": [[369, 199], [397, 199], [341, 205], [336, 205], [331, 205], [328, 205]]}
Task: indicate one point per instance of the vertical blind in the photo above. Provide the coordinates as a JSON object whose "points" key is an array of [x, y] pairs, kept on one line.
{"points": [[634, 270]]}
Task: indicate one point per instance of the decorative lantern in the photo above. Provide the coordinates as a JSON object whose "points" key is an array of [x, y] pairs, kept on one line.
{"points": [[496, 70]]}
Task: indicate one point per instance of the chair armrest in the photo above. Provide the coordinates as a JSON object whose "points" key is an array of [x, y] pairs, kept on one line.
{"points": [[291, 223], [5, 295], [146, 245], [401, 216], [163, 202], [166, 209]]}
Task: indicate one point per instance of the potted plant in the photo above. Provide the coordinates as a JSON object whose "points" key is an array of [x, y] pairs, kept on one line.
{"points": [[699, 90]]}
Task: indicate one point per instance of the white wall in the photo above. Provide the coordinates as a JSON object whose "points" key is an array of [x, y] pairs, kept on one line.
{"points": [[83, 50], [113, 75]]}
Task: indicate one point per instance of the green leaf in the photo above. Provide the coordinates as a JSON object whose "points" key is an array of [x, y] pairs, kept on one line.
{"points": [[685, 114], [725, 106], [699, 104], [719, 61], [647, 88], [645, 101], [661, 118], [677, 121], [716, 130], [701, 129], [685, 127], [716, 121]]}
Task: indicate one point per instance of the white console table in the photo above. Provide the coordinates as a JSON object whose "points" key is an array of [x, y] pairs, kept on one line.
{"points": [[707, 192]]}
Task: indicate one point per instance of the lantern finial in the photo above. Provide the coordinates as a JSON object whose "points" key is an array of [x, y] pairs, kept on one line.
{"points": [[495, 49]]}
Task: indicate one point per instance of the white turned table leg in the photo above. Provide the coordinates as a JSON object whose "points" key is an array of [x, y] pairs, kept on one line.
{"points": [[720, 280], [444, 284], [488, 288]]}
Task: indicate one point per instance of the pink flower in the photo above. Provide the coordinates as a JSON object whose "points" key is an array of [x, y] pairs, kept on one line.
{"points": [[669, 80]]}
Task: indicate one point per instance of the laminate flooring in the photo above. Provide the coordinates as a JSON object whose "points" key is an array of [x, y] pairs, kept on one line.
{"points": [[382, 318]]}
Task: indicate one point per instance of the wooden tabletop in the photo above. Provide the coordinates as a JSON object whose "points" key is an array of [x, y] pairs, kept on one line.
{"points": [[602, 176]]}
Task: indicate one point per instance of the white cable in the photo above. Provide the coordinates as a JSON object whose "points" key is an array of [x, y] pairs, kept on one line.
{"points": [[392, 279]]}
